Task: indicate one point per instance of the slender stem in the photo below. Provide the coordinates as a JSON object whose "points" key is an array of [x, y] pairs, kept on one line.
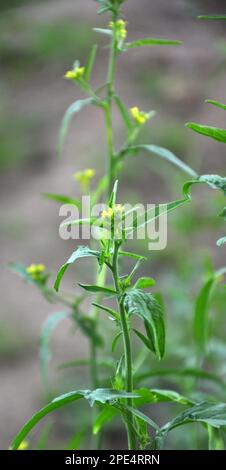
{"points": [[108, 112], [127, 348]]}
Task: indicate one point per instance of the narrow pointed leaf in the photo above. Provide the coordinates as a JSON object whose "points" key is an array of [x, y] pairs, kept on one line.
{"points": [[90, 62], [96, 289], [62, 199], [99, 395], [166, 155], [71, 111], [217, 104], [212, 17], [152, 42], [200, 320], [81, 252], [208, 131], [48, 327]]}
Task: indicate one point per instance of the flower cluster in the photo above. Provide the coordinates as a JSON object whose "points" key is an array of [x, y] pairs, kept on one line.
{"points": [[76, 73], [110, 212], [119, 27], [35, 271], [140, 117]]}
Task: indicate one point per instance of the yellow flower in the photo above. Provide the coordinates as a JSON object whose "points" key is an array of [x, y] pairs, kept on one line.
{"points": [[23, 445], [35, 270], [120, 28], [75, 74], [84, 177], [107, 214], [140, 117]]}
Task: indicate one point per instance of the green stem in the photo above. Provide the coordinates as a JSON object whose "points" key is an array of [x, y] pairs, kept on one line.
{"points": [[108, 112], [127, 349]]}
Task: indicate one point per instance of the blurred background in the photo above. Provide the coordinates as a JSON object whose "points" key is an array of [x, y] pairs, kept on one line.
{"points": [[39, 41]]}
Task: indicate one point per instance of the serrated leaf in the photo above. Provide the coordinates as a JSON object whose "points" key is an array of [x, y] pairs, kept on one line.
{"points": [[213, 132], [166, 155], [62, 199], [144, 283], [71, 111], [148, 309], [81, 252], [97, 289], [217, 104], [152, 42], [98, 395], [48, 327]]}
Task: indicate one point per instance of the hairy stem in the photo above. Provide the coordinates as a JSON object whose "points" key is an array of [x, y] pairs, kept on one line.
{"points": [[127, 348]]}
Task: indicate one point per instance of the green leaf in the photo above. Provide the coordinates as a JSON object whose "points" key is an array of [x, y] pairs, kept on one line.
{"points": [[212, 17], [213, 414], [214, 181], [48, 327], [81, 252], [166, 155], [128, 254], [62, 199], [212, 132], [113, 196], [221, 241], [115, 341], [216, 103], [73, 109], [109, 310], [90, 62], [179, 374], [123, 111], [86, 221], [215, 440], [105, 416], [145, 340], [143, 417], [160, 396], [95, 289], [152, 42], [200, 320], [146, 307], [144, 283], [99, 395], [105, 31]]}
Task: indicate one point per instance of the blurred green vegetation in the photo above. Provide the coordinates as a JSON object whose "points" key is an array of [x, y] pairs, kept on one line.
{"points": [[29, 49]]}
